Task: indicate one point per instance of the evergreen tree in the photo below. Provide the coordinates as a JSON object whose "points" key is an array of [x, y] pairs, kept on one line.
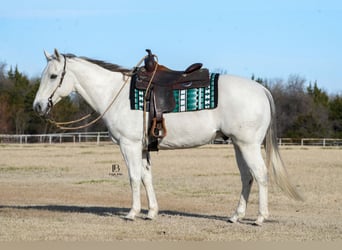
{"points": [[319, 96], [335, 115]]}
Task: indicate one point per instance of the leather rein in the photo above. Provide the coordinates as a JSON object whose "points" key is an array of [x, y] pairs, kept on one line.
{"points": [[62, 125]]}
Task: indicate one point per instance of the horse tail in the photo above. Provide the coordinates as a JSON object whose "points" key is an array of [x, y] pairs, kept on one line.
{"points": [[274, 161]]}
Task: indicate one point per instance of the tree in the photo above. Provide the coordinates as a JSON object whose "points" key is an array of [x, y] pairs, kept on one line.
{"points": [[18, 93], [4, 115], [335, 115], [5, 108], [35, 124], [291, 103], [301, 112], [2, 73], [319, 96]]}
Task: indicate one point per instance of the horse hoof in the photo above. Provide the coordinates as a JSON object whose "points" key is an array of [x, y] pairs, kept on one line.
{"points": [[148, 217], [233, 220], [128, 218], [257, 224], [259, 221], [152, 214]]}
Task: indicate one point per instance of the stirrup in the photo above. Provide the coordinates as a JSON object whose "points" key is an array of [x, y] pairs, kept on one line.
{"points": [[157, 129]]}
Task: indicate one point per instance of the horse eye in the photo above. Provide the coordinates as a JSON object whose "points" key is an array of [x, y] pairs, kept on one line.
{"points": [[53, 76]]}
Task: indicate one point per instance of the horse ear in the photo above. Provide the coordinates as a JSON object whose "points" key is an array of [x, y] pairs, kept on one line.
{"points": [[58, 56], [48, 56]]}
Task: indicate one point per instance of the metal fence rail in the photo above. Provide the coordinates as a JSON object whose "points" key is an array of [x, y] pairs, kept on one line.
{"points": [[98, 137], [56, 138], [323, 142]]}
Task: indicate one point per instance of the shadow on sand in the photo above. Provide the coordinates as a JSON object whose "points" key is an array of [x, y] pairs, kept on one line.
{"points": [[117, 211]]}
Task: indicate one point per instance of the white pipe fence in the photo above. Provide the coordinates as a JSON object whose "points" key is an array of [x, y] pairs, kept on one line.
{"points": [[56, 138], [98, 137], [323, 142]]}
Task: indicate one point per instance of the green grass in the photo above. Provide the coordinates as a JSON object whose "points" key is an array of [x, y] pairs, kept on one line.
{"points": [[217, 174], [104, 162], [100, 181], [30, 169], [6, 169]]}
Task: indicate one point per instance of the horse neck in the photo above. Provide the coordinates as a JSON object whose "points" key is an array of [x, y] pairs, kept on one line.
{"points": [[96, 85]]}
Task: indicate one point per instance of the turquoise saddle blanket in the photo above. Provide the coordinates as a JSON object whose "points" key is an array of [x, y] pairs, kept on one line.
{"points": [[194, 99]]}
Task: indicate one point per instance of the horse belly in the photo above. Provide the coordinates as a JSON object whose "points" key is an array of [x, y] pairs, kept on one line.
{"points": [[189, 129]]}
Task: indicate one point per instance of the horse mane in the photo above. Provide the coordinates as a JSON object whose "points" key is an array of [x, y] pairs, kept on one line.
{"points": [[109, 66]]}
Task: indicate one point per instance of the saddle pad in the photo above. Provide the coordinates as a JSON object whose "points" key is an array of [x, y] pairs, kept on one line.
{"points": [[194, 99]]}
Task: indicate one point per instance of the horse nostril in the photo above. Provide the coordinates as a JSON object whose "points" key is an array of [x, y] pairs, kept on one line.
{"points": [[37, 107]]}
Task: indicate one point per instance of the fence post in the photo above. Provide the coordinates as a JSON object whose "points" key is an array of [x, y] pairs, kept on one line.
{"points": [[302, 142], [323, 142], [98, 138]]}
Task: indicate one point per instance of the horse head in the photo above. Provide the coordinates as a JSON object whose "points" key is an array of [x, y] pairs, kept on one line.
{"points": [[56, 83]]}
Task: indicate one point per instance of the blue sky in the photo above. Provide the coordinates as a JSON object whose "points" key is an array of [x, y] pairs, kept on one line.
{"points": [[267, 38]]}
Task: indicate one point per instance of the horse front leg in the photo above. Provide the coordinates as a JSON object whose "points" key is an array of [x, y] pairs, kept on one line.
{"points": [[132, 153], [147, 181]]}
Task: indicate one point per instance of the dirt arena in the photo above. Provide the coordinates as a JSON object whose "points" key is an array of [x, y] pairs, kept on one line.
{"points": [[66, 192]]}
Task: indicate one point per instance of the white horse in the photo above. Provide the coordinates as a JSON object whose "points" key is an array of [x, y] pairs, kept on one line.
{"points": [[245, 113]]}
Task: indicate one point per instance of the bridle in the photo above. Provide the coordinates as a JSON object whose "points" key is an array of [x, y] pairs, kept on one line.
{"points": [[61, 125], [50, 103]]}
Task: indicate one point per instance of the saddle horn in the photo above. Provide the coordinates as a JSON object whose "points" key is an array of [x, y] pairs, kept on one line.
{"points": [[150, 63]]}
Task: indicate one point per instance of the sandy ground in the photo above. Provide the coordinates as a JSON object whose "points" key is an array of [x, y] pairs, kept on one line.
{"points": [[66, 192]]}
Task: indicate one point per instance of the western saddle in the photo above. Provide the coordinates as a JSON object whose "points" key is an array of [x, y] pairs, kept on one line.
{"points": [[159, 82]]}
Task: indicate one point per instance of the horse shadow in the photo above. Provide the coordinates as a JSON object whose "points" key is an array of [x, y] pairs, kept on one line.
{"points": [[96, 210], [120, 212]]}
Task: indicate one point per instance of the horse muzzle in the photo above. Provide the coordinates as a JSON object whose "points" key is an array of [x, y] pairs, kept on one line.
{"points": [[42, 108]]}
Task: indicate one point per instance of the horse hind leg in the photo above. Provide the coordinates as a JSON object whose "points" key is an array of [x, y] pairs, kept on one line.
{"points": [[147, 181], [252, 157], [247, 181]]}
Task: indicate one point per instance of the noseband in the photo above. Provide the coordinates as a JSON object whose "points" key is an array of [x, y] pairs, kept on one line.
{"points": [[50, 103]]}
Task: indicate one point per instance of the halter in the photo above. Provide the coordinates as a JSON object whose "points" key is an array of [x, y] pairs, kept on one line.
{"points": [[50, 103]]}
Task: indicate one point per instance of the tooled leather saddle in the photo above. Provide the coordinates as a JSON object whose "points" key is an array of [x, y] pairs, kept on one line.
{"points": [[159, 82]]}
